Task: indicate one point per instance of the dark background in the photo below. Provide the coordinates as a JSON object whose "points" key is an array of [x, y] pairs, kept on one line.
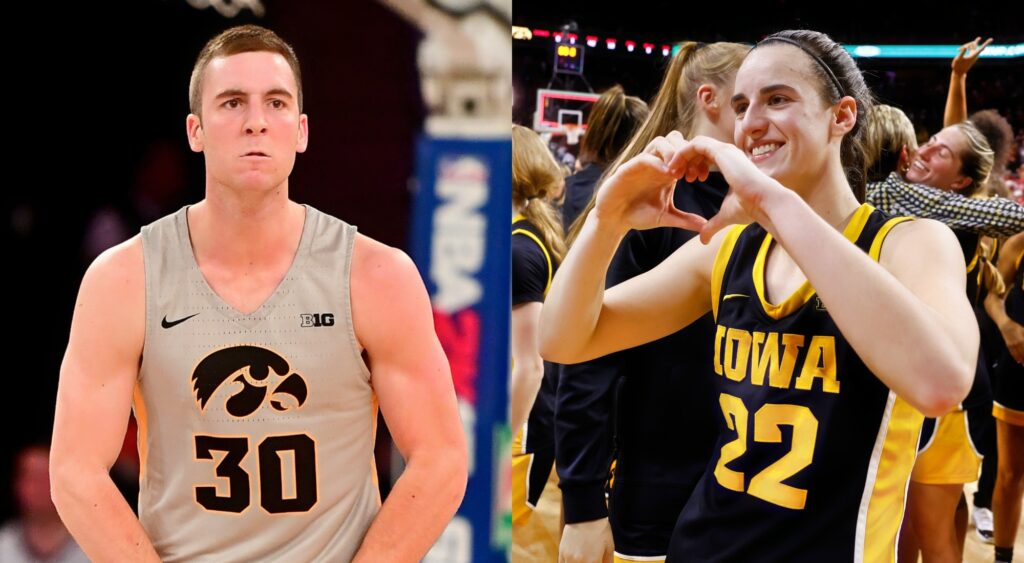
{"points": [[918, 86]]}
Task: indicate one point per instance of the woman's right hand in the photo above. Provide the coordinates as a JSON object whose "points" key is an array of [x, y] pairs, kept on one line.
{"points": [[967, 55], [639, 195]]}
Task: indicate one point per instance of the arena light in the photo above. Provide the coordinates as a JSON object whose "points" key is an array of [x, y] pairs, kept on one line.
{"points": [[930, 51], [999, 51], [521, 33]]}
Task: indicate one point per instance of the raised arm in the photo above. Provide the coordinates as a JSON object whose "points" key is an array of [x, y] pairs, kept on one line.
{"points": [[97, 379], [580, 320], [956, 99], [995, 304], [410, 374]]}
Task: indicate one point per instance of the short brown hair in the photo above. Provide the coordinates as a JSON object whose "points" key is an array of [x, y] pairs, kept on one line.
{"points": [[234, 41]]}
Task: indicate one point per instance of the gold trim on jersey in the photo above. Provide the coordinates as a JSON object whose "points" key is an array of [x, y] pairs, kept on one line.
{"points": [[142, 421], [522, 466], [620, 558], [950, 457], [544, 249], [803, 293], [721, 261], [888, 483], [974, 261], [1016, 265], [1007, 415], [876, 245]]}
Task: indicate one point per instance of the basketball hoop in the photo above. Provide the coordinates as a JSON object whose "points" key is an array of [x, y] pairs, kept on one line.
{"points": [[572, 133]]}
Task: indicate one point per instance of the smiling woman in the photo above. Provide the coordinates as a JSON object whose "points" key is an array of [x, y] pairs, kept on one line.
{"points": [[820, 402], [957, 158]]}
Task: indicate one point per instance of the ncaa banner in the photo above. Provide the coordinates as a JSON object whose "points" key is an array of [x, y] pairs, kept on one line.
{"points": [[460, 242]]}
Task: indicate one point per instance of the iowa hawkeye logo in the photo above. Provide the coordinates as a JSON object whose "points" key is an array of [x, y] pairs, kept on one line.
{"points": [[261, 372]]}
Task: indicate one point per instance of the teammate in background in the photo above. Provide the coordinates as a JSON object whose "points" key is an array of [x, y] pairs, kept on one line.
{"points": [[1008, 313], [537, 249], [610, 126], [635, 394]]}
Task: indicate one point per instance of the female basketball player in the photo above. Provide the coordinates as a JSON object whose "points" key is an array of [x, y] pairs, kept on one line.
{"points": [[828, 346], [537, 248], [647, 390], [1008, 313]]}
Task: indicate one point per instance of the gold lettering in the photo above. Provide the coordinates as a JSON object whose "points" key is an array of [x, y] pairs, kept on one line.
{"points": [[820, 362], [765, 358], [791, 348], [736, 341], [719, 335]]}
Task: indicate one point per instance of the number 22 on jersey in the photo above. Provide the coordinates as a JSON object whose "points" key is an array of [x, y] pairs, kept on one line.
{"points": [[767, 421]]}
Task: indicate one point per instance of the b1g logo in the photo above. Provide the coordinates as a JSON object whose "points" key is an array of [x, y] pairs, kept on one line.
{"points": [[317, 319]]}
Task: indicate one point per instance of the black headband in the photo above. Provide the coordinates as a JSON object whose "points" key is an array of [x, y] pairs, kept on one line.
{"points": [[821, 63]]}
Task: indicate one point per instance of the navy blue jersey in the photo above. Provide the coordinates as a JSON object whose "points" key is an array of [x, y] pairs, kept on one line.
{"points": [[1015, 295], [635, 395], [814, 452], [980, 393], [972, 256], [579, 188], [532, 264], [533, 267], [1009, 385]]}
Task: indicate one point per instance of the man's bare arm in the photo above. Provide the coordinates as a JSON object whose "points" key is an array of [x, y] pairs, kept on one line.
{"points": [[97, 379], [410, 374]]}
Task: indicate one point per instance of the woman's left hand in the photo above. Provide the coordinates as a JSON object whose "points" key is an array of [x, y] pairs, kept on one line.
{"points": [[748, 186]]}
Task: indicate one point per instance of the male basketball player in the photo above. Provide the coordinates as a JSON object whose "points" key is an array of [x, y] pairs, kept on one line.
{"points": [[254, 338]]}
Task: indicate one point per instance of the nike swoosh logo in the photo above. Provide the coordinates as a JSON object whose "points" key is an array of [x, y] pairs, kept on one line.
{"points": [[168, 324], [726, 298]]}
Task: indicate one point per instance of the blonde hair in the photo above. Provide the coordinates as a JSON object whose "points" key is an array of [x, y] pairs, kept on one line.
{"points": [[977, 161], [536, 175], [675, 104], [887, 131]]}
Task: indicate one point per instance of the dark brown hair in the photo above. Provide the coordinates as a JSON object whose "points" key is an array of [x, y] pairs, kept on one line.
{"points": [[838, 76]]}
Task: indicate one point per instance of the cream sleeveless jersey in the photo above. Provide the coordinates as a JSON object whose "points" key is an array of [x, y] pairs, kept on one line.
{"points": [[256, 431]]}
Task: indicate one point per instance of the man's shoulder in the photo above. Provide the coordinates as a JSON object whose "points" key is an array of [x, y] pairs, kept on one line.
{"points": [[387, 292], [117, 275], [120, 260], [375, 262]]}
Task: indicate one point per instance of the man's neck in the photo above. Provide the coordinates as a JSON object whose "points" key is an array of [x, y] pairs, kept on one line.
{"points": [[247, 229]]}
